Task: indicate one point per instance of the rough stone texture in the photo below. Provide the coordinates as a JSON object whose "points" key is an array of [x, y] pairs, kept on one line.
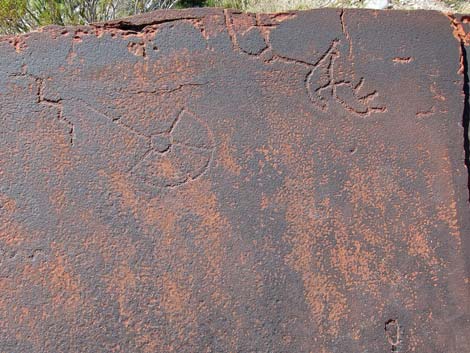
{"points": [[210, 181]]}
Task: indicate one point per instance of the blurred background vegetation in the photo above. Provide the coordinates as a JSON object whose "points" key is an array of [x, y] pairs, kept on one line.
{"points": [[17, 16]]}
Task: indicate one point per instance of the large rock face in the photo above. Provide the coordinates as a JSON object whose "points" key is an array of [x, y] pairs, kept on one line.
{"points": [[210, 181]]}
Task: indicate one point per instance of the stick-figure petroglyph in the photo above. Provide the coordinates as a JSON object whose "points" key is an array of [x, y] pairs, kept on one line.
{"points": [[322, 86]]}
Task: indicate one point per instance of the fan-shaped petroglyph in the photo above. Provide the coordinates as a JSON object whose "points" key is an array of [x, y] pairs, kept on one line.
{"points": [[178, 155]]}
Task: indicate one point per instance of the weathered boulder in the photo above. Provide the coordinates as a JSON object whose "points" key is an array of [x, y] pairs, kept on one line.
{"points": [[212, 181]]}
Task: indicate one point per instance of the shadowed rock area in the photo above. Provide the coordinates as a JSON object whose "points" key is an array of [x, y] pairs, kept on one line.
{"points": [[211, 181]]}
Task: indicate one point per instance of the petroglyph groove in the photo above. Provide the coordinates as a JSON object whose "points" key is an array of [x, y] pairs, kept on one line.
{"points": [[330, 86], [229, 26], [207, 150], [180, 175], [393, 334], [118, 121], [167, 90], [346, 32], [188, 178], [318, 97], [331, 54], [54, 103]]}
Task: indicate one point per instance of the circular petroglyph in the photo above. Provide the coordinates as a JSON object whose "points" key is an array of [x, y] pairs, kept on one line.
{"points": [[161, 142], [179, 155]]}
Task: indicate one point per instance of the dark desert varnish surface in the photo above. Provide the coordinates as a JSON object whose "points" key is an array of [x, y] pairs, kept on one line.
{"points": [[211, 181]]}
